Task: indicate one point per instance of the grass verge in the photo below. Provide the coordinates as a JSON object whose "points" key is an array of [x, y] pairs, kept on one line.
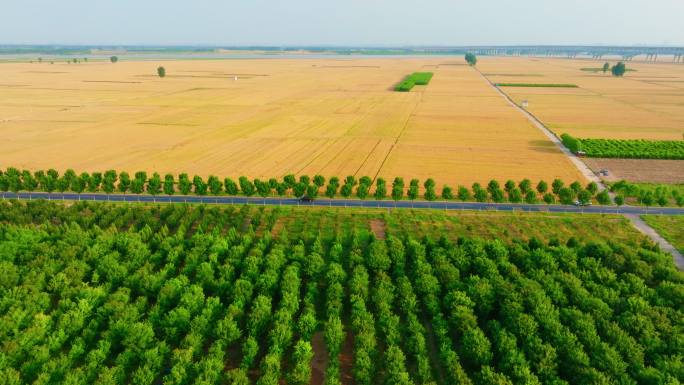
{"points": [[670, 227]]}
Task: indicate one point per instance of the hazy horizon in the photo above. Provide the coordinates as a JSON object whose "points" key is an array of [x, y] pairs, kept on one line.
{"points": [[354, 23], [331, 46]]}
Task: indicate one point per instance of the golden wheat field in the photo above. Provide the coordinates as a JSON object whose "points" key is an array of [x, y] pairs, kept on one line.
{"points": [[269, 117], [647, 103]]}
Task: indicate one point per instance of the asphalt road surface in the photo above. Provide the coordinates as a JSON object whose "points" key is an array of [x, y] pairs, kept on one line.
{"points": [[383, 204]]}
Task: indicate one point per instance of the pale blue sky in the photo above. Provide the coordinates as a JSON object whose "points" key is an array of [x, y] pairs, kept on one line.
{"points": [[342, 22]]}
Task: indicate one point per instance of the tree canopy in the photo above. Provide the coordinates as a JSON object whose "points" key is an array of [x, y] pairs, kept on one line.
{"points": [[195, 294], [471, 59], [619, 69]]}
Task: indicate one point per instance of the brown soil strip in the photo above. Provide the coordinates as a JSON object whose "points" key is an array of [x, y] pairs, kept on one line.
{"points": [[347, 361], [263, 226], [245, 223], [379, 228], [433, 352], [320, 359], [639, 170]]}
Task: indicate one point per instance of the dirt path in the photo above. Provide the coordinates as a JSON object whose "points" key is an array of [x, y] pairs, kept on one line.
{"points": [[662, 242], [347, 361], [583, 168], [320, 359], [378, 228], [589, 174]]}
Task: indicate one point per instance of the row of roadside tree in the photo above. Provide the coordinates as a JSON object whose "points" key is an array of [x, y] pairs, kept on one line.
{"points": [[15, 180]]}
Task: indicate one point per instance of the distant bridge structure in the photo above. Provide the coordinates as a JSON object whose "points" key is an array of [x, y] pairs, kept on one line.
{"points": [[594, 52]]}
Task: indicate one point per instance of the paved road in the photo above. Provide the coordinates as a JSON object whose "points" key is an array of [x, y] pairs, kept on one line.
{"points": [[388, 204]]}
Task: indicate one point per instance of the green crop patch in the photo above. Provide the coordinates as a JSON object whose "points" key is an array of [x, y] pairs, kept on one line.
{"points": [[415, 79], [626, 148], [537, 85]]}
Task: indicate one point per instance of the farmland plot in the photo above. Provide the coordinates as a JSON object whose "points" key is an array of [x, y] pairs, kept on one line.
{"points": [[645, 104], [303, 116]]}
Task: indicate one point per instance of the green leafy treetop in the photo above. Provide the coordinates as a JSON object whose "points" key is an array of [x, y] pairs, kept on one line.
{"points": [[471, 59], [619, 69], [161, 71], [114, 59]]}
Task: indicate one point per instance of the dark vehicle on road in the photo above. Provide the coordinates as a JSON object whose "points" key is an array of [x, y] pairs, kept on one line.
{"points": [[305, 198]]}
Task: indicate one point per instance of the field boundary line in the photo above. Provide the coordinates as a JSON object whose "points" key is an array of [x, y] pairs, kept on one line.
{"points": [[401, 133], [330, 161], [321, 150], [368, 157]]}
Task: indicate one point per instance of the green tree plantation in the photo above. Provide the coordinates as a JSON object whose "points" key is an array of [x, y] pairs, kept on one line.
{"points": [[176, 294]]}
